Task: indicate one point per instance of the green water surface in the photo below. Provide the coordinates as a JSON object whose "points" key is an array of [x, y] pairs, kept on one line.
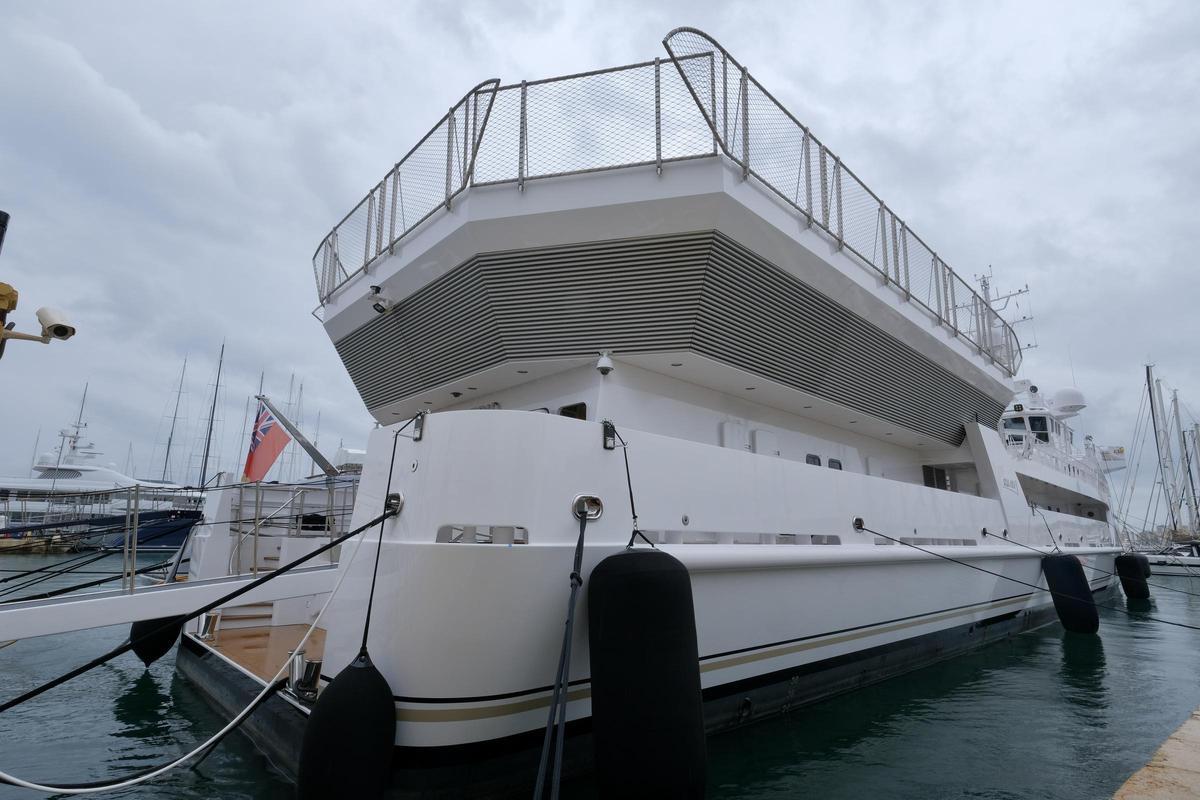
{"points": [[1042, 715]]}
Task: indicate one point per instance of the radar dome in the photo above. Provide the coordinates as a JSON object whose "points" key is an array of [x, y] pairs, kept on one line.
{"points": [[1069, 402]]}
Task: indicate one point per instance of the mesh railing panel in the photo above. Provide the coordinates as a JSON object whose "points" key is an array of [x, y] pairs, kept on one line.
{"points": [[499, 150], [427, 178], [698, 101], [762, 137]]}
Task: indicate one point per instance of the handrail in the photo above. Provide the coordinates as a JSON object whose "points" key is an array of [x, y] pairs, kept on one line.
{"points": [[641, 115], [373, 213], [768, 142]]}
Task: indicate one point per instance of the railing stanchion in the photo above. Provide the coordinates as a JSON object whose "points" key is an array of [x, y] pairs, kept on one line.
{"points": [[837, 185], [824, 186], [712, 95], [133, 538], [450, 134], [257, 518], [521, 166], [125, 544], [379, 216], [725, 98], [392, 224], [904, 247], [936, 277], [745, 124], [881, 225], [657, 117], [367, 232]]}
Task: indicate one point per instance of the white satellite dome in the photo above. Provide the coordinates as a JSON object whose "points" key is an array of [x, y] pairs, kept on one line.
{"points": [[1069, 402]]}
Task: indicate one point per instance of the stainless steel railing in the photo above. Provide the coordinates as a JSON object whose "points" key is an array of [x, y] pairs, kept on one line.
{"points": [[700, 102]]}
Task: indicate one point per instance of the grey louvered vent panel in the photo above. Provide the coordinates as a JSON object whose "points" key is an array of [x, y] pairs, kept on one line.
{"points": [[700, 291], [762, 320], [637, 295]]}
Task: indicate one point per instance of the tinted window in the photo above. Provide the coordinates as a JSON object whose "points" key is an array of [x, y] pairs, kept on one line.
{"points": [[574, 411], [1014, 424], [1038, 426], [835, 463], [811, 459]]}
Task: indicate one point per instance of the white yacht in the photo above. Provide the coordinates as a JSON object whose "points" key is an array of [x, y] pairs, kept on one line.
{"points": [[90, 504], [652, 285]]}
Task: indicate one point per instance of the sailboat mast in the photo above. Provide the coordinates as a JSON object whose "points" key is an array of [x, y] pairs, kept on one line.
{"points": [[1162, 444], [174, 417], [1185, 466], [212, 413]]}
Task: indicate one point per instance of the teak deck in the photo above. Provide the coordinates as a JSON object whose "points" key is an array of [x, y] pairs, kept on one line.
{"points": [[263, 650]]}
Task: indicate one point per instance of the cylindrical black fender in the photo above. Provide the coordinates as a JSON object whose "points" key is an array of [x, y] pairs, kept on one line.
{"points": [[647, 712], [149, 643], [351, 733], [1133, 568], [1072, 595]]}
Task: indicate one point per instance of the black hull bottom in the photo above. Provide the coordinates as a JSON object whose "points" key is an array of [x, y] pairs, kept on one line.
{"points": [[507, 767]]}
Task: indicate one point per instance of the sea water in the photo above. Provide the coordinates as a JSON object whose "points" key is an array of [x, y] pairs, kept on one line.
{"points": [[1042, 715]]}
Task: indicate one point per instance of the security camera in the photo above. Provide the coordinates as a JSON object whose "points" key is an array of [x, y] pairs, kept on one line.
{"points": [[604, 364], [384, 303], [54, 323]]}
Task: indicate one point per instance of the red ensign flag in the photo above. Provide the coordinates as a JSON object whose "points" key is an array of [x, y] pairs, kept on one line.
{"points": [[267, 441]]}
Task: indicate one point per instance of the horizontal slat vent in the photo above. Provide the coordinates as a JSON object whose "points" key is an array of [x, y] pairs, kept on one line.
{"points": [[699, 291]]}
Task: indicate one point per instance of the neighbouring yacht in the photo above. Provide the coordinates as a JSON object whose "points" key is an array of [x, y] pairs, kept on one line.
{"points": [[89, 504]]}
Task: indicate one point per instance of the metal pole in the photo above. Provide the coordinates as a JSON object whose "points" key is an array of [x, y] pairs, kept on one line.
{"points": [[450, 134], [257, 517], [367, 233], [837, 186], [237, 534], [137, 501], [657, 118], [712, 97], [745, 124], [125, 544], [521, 142], [1186, 463]]}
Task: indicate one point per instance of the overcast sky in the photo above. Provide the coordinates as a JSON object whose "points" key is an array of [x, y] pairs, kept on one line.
{"points": [[170, 169]]}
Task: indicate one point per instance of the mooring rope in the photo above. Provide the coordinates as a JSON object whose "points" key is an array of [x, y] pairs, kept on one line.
{"points": [[387, 493], [129, 644], [268, 690], [859, 525], [637, 533], [1005, 539], [557, 721]]}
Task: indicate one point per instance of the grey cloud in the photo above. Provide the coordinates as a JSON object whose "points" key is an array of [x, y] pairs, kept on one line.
{"points": [[170, 170]]}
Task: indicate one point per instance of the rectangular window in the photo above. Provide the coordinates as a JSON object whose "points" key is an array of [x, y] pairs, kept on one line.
{"points": [[936, 478], [1040, 429], [812, 459], [835, 463], [574, 411]]}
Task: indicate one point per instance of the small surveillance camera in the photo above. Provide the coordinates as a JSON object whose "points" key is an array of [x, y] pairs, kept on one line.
{"points": [[55, 323], [380, 308], [376, 289], [604, 364]]}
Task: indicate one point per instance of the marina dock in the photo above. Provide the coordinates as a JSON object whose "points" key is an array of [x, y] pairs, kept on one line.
{"points": [[1174, 771]]}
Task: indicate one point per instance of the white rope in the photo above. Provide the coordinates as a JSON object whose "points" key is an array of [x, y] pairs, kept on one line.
{"points": [[233, 723]]}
